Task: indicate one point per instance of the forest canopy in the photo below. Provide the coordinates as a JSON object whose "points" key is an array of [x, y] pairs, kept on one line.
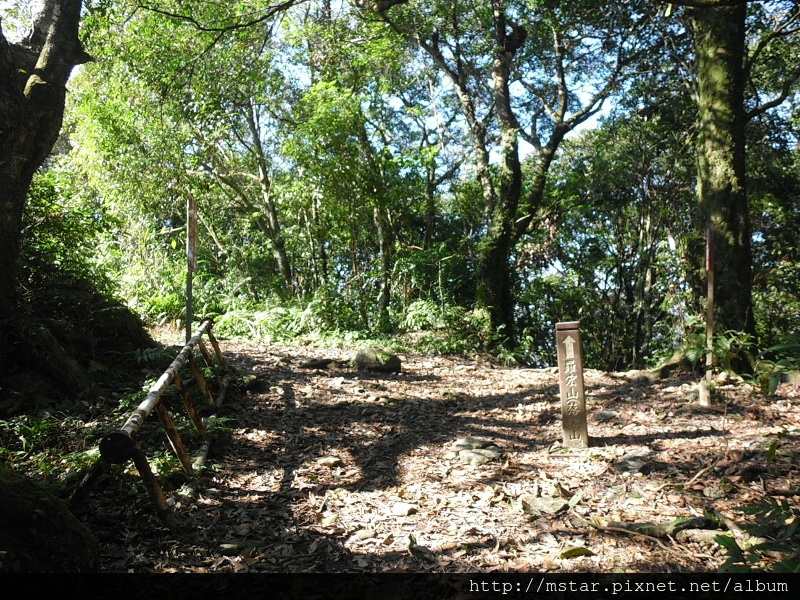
{"points": [[465, 174]]}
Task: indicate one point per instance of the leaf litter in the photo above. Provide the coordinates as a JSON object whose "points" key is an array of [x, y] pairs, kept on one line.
{"points": [[335, 470]]}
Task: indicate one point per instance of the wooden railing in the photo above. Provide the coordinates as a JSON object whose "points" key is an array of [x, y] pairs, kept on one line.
{"points": [[122, 445]]}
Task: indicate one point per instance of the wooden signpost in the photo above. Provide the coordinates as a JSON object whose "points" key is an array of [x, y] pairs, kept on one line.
{"points": [[570, 372], [191, 260]]}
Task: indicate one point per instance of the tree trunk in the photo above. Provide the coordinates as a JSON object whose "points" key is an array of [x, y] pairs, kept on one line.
{"points": [[383, 229], [33, 78], [495, 285], [719, 33], [272, 225], [34, 74]]}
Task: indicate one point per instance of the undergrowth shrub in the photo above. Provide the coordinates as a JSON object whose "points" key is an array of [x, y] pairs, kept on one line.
{"points": [[58, 240], [776, 523], [448, 329], [776, 360]]}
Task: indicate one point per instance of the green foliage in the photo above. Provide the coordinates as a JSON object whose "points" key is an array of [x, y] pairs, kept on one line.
{"points": [[325, 142], [773, 362], [768, 365], [30, 433], [150, 356], [448, 329], [52, 445], [60, 238], [729, 346], [276, 323], [778, 524], [216, 425], [424, 314], [607, 251], [165, 464]]}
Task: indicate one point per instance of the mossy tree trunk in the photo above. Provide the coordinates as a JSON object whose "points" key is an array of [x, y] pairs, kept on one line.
{"points": [[719, 30], [495, 289], [38, 534]]}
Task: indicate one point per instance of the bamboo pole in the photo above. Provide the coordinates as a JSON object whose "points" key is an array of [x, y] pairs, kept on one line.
{"points": [[224, 384], [206, 356], [117, 447], [201, 381], [218, 352], [121, 446]]}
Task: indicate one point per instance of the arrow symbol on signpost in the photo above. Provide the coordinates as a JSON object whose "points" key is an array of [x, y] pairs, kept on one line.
{"points": [[569, 345]]}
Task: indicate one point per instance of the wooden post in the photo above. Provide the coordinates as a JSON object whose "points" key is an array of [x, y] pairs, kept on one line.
{"points": [[175, 439], [189, 302], [154, 489], [206, 355], [704, 389], [217, 351], [191, 260], [189, 405], [201, 382], [570, 370], [224, 369]]}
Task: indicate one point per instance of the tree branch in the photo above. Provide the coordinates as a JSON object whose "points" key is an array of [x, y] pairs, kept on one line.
{"points": [[268, 14], [786, 90], [708, 3], [781, 30]]}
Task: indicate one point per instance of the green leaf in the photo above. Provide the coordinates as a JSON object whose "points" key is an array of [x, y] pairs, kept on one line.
{"points": [[95, 367], [575, 551], [734, 551]]}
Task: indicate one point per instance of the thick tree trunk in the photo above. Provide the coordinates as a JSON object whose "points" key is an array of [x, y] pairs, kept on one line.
{"points": [[720, 44], [495, 285], [33, 78]]}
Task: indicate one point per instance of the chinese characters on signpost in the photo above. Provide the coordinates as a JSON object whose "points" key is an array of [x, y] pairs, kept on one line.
{"points": [[570, 371]]}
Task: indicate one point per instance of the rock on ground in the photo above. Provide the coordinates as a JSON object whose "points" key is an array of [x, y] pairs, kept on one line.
{"points": [[376, 359]]}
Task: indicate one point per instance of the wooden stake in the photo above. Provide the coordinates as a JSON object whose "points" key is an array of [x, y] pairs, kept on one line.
{"points": [[217, 351], [175, 439], [154, 489], [201, 381], [189, 405]]}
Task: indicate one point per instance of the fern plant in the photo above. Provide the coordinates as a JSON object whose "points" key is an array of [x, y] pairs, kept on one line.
{"points": [[776, 526]]}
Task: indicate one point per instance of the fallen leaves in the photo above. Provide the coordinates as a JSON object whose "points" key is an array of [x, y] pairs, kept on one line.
{"points": [[334, 472]]}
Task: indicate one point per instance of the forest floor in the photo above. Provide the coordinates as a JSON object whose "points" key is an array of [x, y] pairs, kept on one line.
{"points": [[331, 470]]}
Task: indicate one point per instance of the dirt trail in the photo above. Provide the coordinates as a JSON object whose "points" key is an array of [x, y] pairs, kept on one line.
{"points": [[332, 470]]}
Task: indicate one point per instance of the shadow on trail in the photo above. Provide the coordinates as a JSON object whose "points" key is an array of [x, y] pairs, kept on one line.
{"points": [[263, 502], [376, 435]]}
